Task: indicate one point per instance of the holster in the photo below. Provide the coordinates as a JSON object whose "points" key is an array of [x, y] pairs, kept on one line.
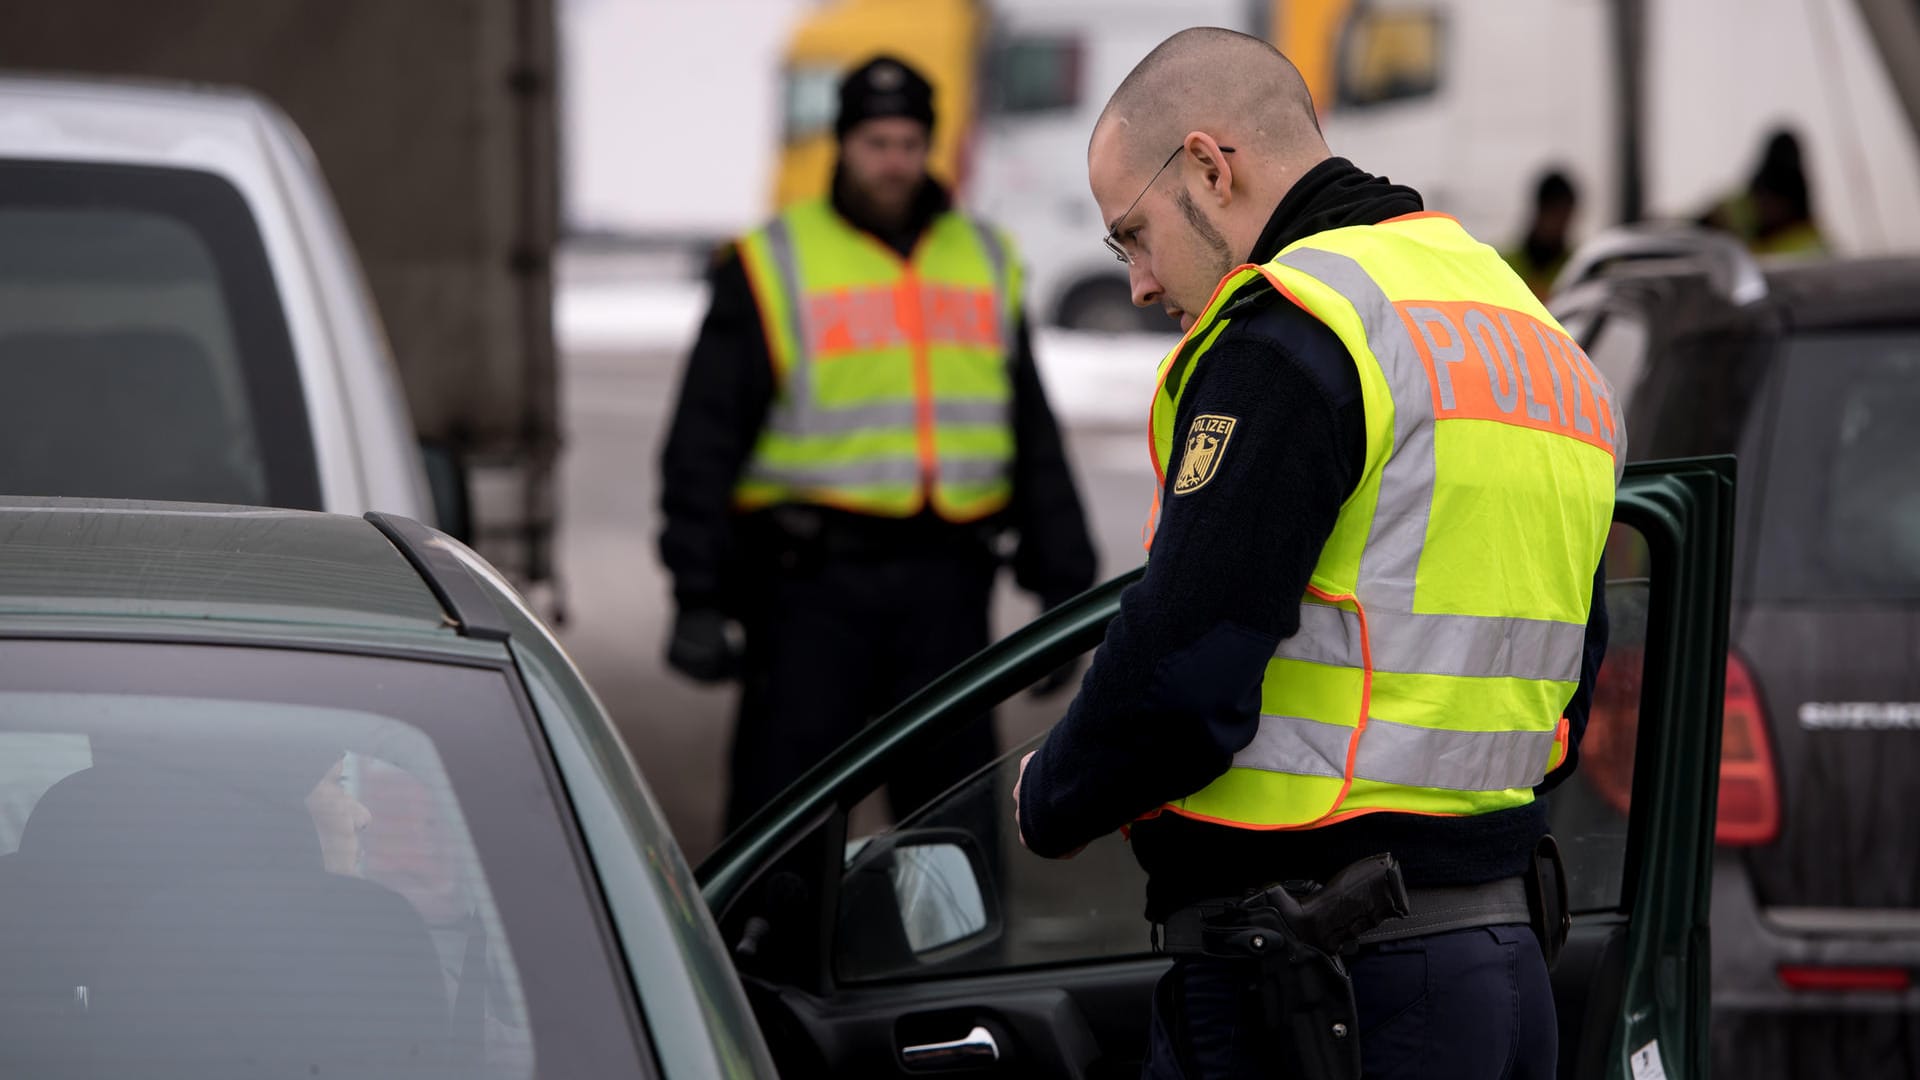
{"points": [[1547, 905], [1296, 931]]}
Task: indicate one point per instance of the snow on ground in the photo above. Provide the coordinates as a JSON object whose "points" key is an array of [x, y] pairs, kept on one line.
{"points": [[1098, 379], [627, 315]]}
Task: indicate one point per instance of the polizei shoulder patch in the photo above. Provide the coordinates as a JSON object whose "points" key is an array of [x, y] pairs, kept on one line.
{"points": [[1207, 439]]}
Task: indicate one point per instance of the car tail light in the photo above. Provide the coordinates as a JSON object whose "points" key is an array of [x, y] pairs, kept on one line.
{"points": [[1613, 729], [1840, 979], [1749, 810]]}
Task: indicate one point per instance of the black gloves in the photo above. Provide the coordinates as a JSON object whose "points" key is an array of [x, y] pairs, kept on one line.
{"points": [[703, 647]]}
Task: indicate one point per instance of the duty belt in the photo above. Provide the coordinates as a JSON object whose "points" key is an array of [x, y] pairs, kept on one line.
{"points": [[1432, 910], [1298, 933]]}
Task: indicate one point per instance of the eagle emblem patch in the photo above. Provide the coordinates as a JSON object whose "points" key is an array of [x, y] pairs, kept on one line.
{"points": [[1206, 445]]}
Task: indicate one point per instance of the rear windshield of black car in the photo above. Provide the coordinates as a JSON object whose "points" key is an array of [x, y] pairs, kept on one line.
{"points": [[1838, 516], [142, 343]]}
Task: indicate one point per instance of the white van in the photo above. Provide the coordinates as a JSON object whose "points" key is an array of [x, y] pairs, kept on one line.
{"points": [[181, 314]]}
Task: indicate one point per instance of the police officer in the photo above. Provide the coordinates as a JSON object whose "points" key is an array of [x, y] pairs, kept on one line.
{"points": [[1543, 251], [861, 435], [1371, 615], [1774, 215]]}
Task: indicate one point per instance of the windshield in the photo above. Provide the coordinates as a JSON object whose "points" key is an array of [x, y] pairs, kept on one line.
{"points": [[142, 342], [1034, 75], [264, 863], [1840, 510], [812, 99]]}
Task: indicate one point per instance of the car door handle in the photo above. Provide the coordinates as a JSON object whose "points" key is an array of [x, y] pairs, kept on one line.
{"points": [[977, 1048]]}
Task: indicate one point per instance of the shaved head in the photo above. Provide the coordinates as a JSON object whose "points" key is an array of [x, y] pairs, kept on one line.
{"points": [[1238, 120], [1231, 84]]}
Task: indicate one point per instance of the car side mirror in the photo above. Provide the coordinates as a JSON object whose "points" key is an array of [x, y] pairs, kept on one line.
{"points": [[912, 900], [447, 483]]}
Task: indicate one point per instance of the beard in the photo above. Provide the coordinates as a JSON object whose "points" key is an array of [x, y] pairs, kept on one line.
{"points": [[1222, 260], [1204, 229], [887, 203]]}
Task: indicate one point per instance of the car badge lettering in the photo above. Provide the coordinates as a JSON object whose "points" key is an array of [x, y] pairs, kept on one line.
{"points": [[1860, 715]]}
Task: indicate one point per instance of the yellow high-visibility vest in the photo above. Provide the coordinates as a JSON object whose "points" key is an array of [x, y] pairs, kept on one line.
{"points": [[1442, 632], [893, 382]]}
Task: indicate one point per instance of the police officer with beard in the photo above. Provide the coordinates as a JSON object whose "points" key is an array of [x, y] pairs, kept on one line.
{"points": [[861, 441]]}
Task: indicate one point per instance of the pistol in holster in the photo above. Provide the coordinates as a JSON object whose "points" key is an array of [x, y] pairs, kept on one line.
{"points": [[1296, 931]]}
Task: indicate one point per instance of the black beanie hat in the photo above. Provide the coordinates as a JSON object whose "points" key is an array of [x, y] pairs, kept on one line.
{"points": [[883, 86]]}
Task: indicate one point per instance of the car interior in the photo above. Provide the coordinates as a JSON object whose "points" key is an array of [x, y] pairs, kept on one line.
{"points": [[158, 424], [171, 907]]}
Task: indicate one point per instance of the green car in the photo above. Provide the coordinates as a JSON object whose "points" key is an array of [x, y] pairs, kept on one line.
{"points": [[293, 795]]}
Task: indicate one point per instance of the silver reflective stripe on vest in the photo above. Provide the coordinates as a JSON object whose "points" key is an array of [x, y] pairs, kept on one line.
{"points": [[1469, 645], [972, 470], [1402, 754], [1391, 559], [870, 471], [852, 474], [997, 258], [891, 415], [998, 413], [787, 266], [799, 369]]}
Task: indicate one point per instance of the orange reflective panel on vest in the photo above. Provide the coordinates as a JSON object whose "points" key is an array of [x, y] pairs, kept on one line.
{"points": [[843, 321], [893, 388], [1494, 363]]}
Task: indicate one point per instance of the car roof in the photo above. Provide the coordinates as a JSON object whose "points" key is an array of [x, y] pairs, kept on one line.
{"points": [[133, 95], [1828, 293], [222, 568], [1694, 283], [144, 122]]}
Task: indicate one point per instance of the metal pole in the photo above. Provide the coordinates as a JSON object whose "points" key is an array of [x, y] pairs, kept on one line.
{"points": [[1629, 52]]}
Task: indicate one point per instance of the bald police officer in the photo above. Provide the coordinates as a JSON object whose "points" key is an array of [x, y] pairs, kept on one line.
{"points": [[1372, 612]]}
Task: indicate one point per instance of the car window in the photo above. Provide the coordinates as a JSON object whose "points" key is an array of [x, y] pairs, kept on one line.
{"points": [[1390, 55], [1053, 911], [1588, 811], [1697, 393], [1617, 345], [1034, 75], [812, 99], [1839, 504], [216, 859], [142, 341], [1090, 907]]}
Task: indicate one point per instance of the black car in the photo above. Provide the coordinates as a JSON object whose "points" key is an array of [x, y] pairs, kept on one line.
{"points": [[1809, 371]]}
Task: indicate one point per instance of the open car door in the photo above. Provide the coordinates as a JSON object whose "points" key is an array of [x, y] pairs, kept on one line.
{"points": [[940, 945]]}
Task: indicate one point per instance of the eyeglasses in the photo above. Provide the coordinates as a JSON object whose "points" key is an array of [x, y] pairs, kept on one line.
{"points": [[1112, 239]]}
